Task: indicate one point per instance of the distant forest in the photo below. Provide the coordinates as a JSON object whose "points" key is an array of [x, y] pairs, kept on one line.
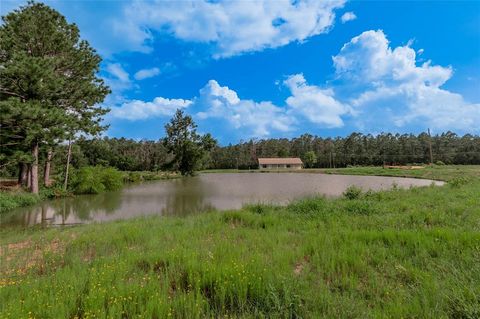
{"points": [[355, 149]]}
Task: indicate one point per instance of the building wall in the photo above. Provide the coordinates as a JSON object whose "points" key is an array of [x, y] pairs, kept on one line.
{"points": [[281, 166]]}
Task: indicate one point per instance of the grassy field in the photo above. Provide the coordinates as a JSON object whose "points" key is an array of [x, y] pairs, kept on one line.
{"points": [[436, 172], [395, 254], [443, 172]]}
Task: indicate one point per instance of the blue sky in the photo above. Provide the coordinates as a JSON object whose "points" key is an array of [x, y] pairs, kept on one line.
{"points": [[246, 69]]}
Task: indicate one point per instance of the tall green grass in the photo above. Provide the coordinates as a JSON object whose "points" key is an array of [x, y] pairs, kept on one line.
{"points": [[144, 176], [394, 254], [11, 200]]}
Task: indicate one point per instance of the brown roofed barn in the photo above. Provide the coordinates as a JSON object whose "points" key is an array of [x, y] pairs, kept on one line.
{"points": [[280, 163]]}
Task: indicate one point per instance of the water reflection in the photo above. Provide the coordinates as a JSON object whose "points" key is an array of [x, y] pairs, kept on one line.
{"points": [[186, 196], [181, 197]]}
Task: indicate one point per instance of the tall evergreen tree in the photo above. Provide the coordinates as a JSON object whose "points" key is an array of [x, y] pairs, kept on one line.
{"points": [[49, 89]]}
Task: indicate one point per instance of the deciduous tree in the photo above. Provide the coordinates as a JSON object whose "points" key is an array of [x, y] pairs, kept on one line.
{"points": [[187, 147]]}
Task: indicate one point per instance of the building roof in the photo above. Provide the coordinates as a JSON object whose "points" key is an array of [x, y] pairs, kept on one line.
{"points": [[280, 160]]}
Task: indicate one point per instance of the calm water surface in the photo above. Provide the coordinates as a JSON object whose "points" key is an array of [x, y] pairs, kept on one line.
{"points": [[181, 197]]}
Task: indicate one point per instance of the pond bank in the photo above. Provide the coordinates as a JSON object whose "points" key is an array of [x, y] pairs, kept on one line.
{"points": [[182, 197], [399, 253], [14, 196], [12, 199]]}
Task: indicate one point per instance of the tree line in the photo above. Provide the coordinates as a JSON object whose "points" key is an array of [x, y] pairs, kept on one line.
{"points": [[316, 152], [354, 149]]}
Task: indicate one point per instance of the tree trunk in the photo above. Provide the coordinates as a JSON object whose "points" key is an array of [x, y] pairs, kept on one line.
{"points": [[34, 170], [29, 176], [46, 175], [69, 154], [22, 174], [44, 216], [430, 146]]}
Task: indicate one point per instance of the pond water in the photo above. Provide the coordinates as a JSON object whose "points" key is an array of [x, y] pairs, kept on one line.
{"points": [[180, 197]]}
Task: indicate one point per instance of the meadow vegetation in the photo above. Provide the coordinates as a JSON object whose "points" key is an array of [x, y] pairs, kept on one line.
{"points": [[435, 172], [11, 200], [404, 253]]}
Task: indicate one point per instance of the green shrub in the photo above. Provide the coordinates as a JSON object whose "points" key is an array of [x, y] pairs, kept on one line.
{"points": [[96, 179], [352, 192], [56, 191], [133, 177], [88, 181], [440, 163], [111, 178]]}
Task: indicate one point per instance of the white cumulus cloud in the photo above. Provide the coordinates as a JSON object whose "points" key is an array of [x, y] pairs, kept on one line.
{"points": [[391, 84], [317, 105], [256, 119], [234, 27], [146, 73], [348, 16], [141, 110], [368, 57]]}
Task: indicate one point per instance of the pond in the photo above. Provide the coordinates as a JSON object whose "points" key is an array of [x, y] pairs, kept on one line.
{"points": [[180, 197]]}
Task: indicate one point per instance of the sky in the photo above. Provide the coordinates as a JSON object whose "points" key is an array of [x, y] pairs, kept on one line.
{"points": [[261, 69]]}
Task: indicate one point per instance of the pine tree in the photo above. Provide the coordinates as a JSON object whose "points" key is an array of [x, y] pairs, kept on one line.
{"points": [[49, 89]]}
